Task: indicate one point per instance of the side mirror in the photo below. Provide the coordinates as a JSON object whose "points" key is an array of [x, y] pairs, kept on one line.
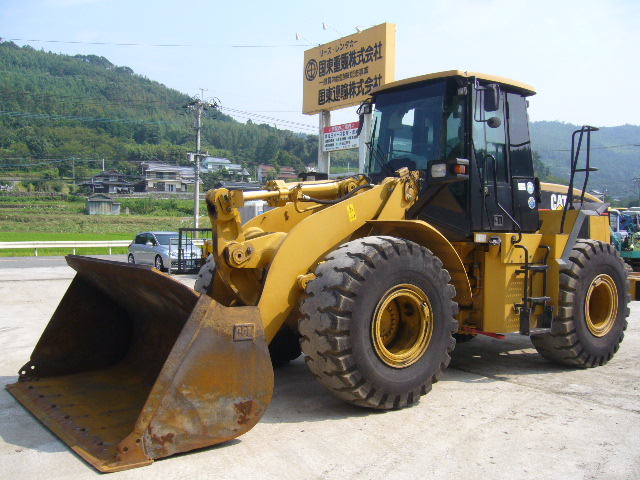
{"points": [[149, 244], [491, 98]]}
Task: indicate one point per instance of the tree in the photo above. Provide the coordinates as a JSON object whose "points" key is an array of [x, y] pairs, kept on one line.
{"points": [[211, 180], [268, 149], [37, 146], [284, 158], [539, 168]]}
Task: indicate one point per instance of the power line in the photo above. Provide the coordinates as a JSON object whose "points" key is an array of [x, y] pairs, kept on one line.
{"points": [[163, 45], [49, 161], [75, 99], [247, 115], [53, 161], [277, 124], [87, 101], [79, 118], [265, 117], [17, 94]]}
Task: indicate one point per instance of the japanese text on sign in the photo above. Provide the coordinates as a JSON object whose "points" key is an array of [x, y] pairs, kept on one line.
{"points": [[345, 72], [341, 137]]}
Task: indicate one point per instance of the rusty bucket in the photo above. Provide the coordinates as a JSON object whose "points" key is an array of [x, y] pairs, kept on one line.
{"points": [[135, 366]]}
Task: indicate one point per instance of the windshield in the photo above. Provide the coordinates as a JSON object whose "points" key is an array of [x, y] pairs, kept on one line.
{"points": [[415, 126], [164, 238]]}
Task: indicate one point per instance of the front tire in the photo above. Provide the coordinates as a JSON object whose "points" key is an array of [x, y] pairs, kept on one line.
{"points": [[593, 308], [377, 321], [130, 259], [158, 263]]}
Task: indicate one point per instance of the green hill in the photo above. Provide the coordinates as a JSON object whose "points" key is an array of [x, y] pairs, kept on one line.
{"points": [[615, 151], [54, 107]]}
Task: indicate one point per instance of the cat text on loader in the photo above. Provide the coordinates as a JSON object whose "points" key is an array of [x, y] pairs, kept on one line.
{"points": [[374, 276]]}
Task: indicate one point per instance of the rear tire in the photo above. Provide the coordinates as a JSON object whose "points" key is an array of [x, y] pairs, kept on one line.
{"points": [[593, 307], [377, 321], [130, 259], [204, 282], [285, 346]]}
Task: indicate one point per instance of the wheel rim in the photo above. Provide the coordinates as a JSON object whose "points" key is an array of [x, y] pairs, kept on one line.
{"points": [[131, 259], [402, 326], [601, 305], [158, 263]]}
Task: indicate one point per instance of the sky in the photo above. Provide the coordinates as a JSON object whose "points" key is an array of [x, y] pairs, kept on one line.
{"points": [[580, 55]]}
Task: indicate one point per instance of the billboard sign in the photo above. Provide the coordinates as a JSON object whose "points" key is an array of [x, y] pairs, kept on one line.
{"points": [[341, 137], [344, 72]]}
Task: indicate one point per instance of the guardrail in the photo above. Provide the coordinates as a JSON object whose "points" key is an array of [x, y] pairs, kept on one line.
{"points": [[72, 244]]}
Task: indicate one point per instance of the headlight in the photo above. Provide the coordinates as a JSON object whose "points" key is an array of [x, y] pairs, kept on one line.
{"points": [[438, 170]]}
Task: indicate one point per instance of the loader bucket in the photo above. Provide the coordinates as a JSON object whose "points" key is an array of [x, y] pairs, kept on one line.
{"points": [[135, 366]]}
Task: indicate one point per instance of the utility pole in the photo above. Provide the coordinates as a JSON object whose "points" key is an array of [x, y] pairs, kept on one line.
{"points": [[198, 106]]}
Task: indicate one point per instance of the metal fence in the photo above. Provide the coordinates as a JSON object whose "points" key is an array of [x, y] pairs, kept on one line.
{"points": [[191, 249]]}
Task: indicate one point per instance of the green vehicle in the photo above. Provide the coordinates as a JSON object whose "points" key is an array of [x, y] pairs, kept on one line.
{"points": [[625, 235]]}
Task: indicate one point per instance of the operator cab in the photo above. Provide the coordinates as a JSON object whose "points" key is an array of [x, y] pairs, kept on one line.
{"points": [[468, 135]]}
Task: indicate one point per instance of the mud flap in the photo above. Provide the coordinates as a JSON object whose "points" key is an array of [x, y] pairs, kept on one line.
{"points": [[135, 366]]}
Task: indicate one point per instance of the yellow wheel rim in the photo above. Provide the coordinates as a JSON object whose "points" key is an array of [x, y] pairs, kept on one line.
{"points": [[601, 305], [402, 326]]}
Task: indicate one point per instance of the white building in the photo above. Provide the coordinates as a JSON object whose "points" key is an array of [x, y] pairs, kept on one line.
{"points": [[161, 177], [215, 164]]}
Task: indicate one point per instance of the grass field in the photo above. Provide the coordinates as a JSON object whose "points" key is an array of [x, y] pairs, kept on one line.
{"points": [[24, 219]]}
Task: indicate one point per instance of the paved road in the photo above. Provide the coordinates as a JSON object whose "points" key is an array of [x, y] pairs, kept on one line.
{"points": [[500, 412], [46, 262]]}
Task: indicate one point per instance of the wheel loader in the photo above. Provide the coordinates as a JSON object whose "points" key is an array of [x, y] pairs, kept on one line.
{"points": [[373, 277]]}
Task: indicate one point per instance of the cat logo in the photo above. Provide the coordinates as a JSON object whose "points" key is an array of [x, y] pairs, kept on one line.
{"points": [[558, 201]]}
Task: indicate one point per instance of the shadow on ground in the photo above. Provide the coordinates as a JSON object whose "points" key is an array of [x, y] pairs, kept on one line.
{"points": [[298, 397], [496, 359], [20, 428]]}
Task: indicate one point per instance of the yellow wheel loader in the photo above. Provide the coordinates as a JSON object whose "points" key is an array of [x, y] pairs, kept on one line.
{"points": [[373, 276]]}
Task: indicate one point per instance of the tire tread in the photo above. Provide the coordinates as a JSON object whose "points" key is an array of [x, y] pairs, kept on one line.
{"points": [[326, 316], [563, 344]]}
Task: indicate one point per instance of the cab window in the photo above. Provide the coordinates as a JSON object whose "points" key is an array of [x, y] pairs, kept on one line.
{"points": [[490, 143]]}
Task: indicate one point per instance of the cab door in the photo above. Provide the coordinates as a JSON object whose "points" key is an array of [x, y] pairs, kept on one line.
{"points": [[509, 192], [491, 158]]}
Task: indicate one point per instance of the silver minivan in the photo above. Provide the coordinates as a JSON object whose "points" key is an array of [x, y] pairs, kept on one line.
{"points": [[160, 249]]}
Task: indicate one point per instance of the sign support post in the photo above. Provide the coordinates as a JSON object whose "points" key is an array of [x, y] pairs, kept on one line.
{"points": [[324, 158]]}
